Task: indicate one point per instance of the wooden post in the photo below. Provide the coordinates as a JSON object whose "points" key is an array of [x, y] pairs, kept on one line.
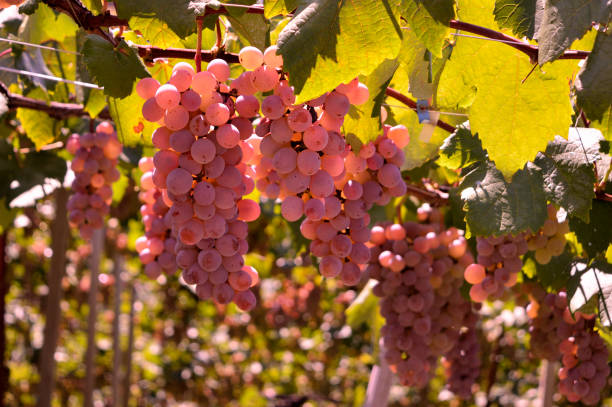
{"points": [[97, 247], [546, 387], [117, 367], [130, 349], [379, 384], [60, 233]]}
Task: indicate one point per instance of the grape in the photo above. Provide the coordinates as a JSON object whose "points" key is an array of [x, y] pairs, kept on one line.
{"points": [[272, 58], [330, 266], [308, 162], [179, 181], [247, 105], [228, 136], [299, 120], [167, 96], [147, 87], [265, 78], [217, 114], [292, 208], [220, 69], [204, 82], [250, 57], [151, 111], [272, 107], [181, 79], [336, 104], [191, 101]]}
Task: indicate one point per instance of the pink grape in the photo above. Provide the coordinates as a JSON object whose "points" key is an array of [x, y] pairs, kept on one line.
{"points": [[220, 69], [292, 208], [250, 57], [167, 96], [147, 87], [151, 111], [228, 135], [272, 58]]}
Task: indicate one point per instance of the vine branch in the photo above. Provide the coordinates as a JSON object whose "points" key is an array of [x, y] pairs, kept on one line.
{"points": [[56, 110], [413, 105]]}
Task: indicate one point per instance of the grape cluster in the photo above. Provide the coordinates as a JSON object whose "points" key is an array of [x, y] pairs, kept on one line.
{"points": [[556, 334], [291, 302], [462, 363], [549, 241], [156, 247], [419, 268], [302, 158], [95, 168], [584, 356], [202, 173], [497, 267], [545, 312]]}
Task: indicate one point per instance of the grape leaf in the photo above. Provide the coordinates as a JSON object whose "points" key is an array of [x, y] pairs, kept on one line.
{"points": [[96, 102], [362, 124], [518, 15], [38, 126], [364, 308], [496, 207], [556, 273], [461, 149], [253, 29], [178, 15], [115, 68], [45, 25], [604, 124], [429, 20], [132, 128], [29, 7], [596, 235], [533, 112], [594, 81], [330, 42], [279, 7], [156, 32], [588, 282], [564, 21], [568, 175]]}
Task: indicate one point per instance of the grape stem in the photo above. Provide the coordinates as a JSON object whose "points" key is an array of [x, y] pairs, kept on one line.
{"points": [[198, 55], [438, 198], [412, 104]]}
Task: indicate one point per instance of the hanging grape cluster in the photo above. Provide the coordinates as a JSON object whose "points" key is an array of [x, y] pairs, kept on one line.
{"points": [[556, 334], [419, 268], [95, 170], [156, 247], [201, 171], [549, 241]]}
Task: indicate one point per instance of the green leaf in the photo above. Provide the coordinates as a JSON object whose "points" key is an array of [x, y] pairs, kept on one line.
{"points": [[39, 127], [556, 273], [594, 81], [604, 124], [96, 102], [525, 115], [429, 20], [330, 42], [279, 7], [362, 124], [363, 309], [114, 68], [178, 15], [6, 215], [590, 284], [45, 25], [564, 21], [495, 207], [596, 235], [461, 149], [518, 15], [156, 32], [253, 29], [132, 128], [568, 175]]}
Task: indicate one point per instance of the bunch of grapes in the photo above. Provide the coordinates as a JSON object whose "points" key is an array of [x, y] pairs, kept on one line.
{"points": [[584, 356], [202, 172], [497, 267], [546, 313], [156, 247], [95, 168], [419, 268], [462, 363], [549, 241], [292, 302]]}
